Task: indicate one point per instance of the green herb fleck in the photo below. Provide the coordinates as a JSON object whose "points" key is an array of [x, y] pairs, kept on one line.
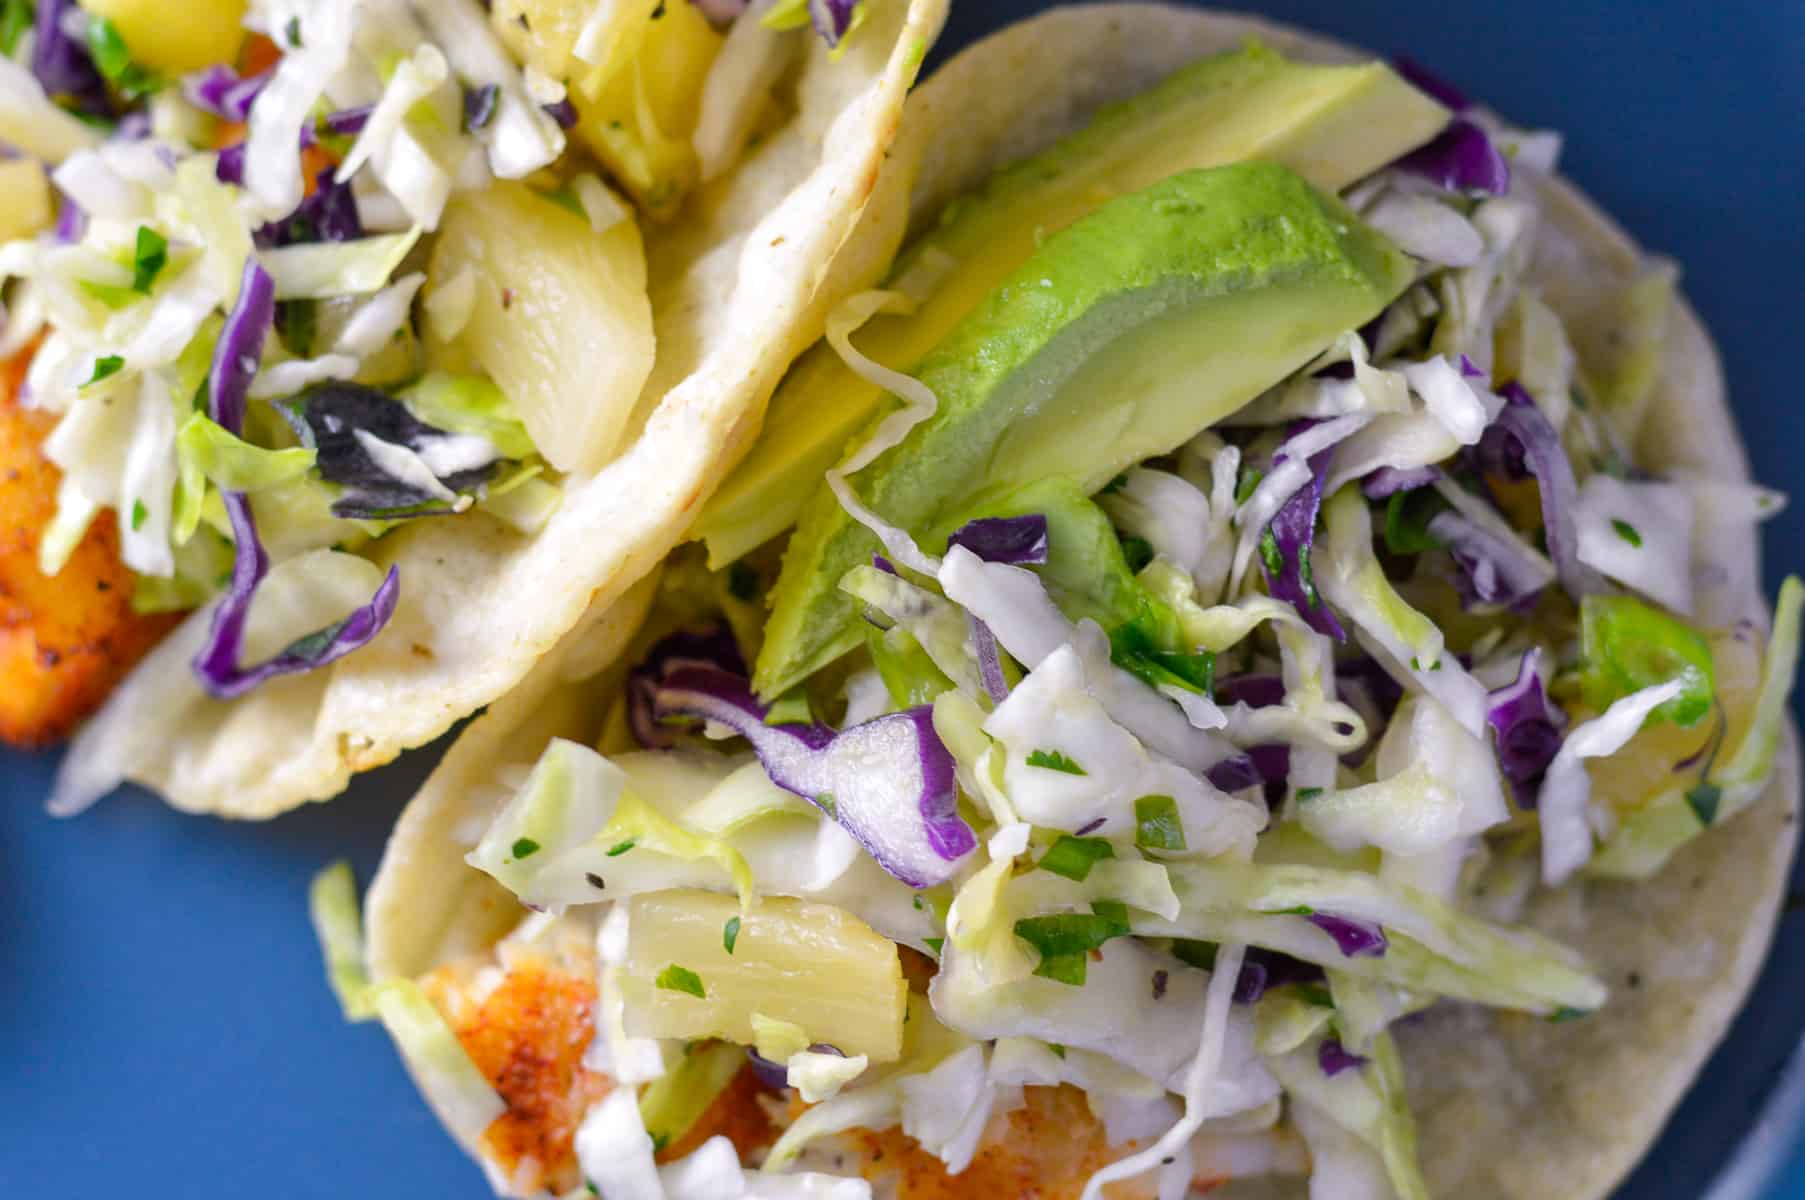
{"points": [[916, 901], [1066, 940], [730, 933], [1407, 517], [1157, 825], [16, 17], [105, 367], [1307, 576], [149, 258], [1111, 910], [139, 515], [620, 848], [293, 33], [1073, 857], [1053, 760], [1562, 1015], [659, 1141], [1305, 795], [525, 848], [1316, 994], [565, 199], [934, 944], [1704, 801], [1193, 953], [298, 323], [827, 804], [1627, 532], [681, 979], [1057, 1049], [1270, 555], [1113, 486], [1244, 487], [113, 59], [1137, 552]]}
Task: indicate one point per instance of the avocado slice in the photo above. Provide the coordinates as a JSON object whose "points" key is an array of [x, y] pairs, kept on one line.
{"points": [[1333, 125], [1125, 335]]}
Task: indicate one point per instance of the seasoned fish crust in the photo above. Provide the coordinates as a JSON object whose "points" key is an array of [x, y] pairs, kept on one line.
{"points": [[64, 642]]}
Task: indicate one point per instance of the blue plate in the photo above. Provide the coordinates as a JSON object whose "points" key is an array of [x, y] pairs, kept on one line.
{"points": [[165, 1029]]}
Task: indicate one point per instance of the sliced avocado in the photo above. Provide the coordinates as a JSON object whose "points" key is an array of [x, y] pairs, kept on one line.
{"points": [[1121, 338], [1333, 125]]}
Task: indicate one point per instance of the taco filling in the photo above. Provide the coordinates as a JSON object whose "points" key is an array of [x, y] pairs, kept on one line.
{"points": [[324, 317], [1161, 644]]}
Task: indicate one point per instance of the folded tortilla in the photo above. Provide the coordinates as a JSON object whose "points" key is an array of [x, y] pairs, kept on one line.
{"points": [[1507, 1105]]}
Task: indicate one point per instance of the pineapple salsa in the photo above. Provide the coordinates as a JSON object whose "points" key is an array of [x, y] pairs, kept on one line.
{"points": [[294, 275]]}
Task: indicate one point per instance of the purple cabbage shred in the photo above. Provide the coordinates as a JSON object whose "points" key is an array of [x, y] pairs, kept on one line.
{"points": [[236, 358], [1286, 544], [1334, 1058], [1353, 937], [1018, 541]]}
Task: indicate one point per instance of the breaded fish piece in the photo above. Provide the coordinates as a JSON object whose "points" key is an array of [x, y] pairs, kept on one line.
{"points": [[64, 641], [527, 1021]]}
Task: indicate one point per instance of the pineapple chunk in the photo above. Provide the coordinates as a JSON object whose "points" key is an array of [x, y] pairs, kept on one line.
{"points": [[559, 319], [175, 39], [813, 965], [549, 35], [640, 119], [24, 198], [636, 84]]}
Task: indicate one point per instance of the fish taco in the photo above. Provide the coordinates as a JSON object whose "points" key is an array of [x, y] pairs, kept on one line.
{"points": [[382, 340], [1239, 668]]}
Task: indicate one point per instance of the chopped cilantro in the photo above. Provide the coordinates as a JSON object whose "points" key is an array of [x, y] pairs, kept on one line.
{"points": [[525, 848], [1192, 953], [1065, 941], [1157, 825], [149, 258], [730, 933], [1305, 795], [1627, 532], [16, 16], [1271, 557], [1073, 857], [1053, 760], [298, 321], [293, 33], [1703, 800], [620, 848], [1407, 517], [1244, 487], [105, 367], [681, 979], [934, 944], [1111, 910], [113, 59], [139, 514], [1562, 1015]]}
